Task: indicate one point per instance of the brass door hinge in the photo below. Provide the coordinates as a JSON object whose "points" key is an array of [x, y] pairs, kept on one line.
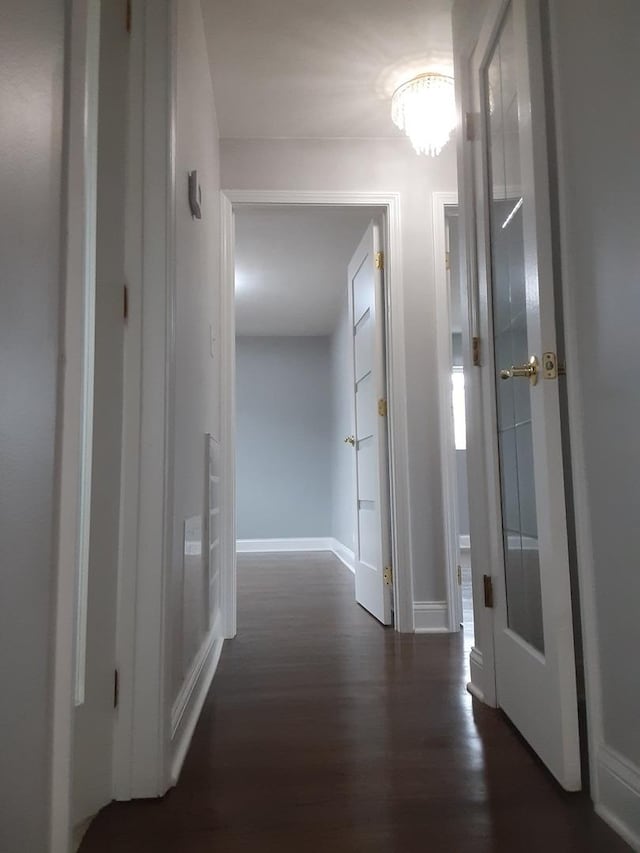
{"points": [[379, 260], [127, 16], [125, 303], [382, 408], [116, 688], [459, 575], [488, 590], [475, 351], [387, 575]]}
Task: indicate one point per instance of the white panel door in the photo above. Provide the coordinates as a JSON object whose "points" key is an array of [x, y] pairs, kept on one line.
{"points": [[366, 310], [533, 627]]}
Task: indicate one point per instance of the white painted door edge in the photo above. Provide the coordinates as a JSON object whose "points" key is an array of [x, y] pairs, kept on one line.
{"points": [[440, 201], [396, 378]]}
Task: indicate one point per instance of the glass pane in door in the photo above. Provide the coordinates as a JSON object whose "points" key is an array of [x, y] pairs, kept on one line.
{"points": [[509, 306]]}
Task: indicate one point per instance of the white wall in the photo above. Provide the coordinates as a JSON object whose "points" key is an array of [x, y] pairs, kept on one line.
{"points": [[197, 395], [32, 36], [596, 63], [283, 437], [343, 487], [383, 165]]}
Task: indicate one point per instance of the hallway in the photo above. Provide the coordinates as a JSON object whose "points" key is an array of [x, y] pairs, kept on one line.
{"points": [[325, 732]]}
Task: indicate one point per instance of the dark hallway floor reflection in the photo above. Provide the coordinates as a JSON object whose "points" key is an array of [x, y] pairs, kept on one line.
{"points": [[326, 733]]}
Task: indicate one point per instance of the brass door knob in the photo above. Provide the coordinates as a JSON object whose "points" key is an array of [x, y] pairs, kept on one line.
{"points": [[522, 371], [350, 439]]}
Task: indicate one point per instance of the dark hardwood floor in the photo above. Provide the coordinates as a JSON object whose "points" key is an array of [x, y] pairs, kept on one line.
{"points": [[326, 733]]}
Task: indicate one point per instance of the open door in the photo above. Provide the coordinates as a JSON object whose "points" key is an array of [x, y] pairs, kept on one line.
{"points": [[533, 626], [366, 312]]}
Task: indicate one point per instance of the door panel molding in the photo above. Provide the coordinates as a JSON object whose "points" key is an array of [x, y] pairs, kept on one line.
{"points": [[396, 379]]}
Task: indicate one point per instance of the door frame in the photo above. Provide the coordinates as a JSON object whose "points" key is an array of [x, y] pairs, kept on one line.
{"points": [[75, 409], [142, 727], [440, 202], [389, 202]]}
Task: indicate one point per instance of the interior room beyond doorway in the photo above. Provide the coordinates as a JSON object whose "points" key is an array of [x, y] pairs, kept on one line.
{"points": [[301, 447]]}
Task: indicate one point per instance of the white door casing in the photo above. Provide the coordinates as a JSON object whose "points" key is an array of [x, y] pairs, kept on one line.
{"points": [[366, 312], [389, 202], [535, 677], [441, 201], [76, 409]]}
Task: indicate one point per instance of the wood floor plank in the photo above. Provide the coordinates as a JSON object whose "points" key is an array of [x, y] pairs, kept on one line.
{"points": [[326, 733]]}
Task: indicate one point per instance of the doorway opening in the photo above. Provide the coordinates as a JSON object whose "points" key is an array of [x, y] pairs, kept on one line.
{"points": [[451, 319], [312, 457], [459, 424]]}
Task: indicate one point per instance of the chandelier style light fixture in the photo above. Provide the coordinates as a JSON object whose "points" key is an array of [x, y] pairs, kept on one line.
{"points": [[424, 108]]}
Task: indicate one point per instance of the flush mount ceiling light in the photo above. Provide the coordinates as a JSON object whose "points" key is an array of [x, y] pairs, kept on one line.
{"points": [[424, 108]]}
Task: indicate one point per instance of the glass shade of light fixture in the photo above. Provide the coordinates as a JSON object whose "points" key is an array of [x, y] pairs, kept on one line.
{"points": [[424, 108]]}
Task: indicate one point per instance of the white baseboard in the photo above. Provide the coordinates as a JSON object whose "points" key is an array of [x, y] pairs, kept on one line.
{"points": [[189, 701], [344, 554], [476, 670], [618, 800], [263, 546], [464, 542], [325, 543], [430, 617], [79, 832]]}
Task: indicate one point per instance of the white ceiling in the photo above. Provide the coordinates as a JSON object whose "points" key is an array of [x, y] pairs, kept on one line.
{"points": [[291, 267], [319, 68]]}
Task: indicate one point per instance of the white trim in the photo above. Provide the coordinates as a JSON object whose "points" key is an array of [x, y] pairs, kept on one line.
{"points": [[619, 794], [464, 542], [187, 707], [485, 687], [79, 832], [440, 202], [191, 679], [431, 617], [76, 414], [327, 543], [396, 376], [476, 667], [228, 601], [144, 625], [263, 546], [344, 554]]}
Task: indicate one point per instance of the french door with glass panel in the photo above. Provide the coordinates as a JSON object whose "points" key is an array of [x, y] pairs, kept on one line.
{"points": [[533, 627]]}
